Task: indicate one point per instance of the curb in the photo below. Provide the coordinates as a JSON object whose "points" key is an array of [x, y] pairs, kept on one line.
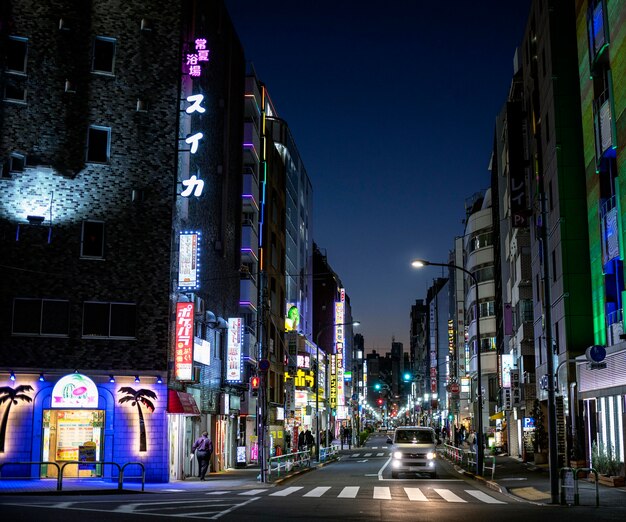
{"points": [[301, 471]]}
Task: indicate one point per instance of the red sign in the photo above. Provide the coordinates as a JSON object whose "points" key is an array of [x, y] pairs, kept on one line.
{"points": [[454, 388], [183, 353]]}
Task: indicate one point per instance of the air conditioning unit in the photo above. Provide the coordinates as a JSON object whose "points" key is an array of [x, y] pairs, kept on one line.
{"points": [[199, 305]]}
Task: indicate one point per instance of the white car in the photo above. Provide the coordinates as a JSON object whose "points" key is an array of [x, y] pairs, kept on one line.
{"points": [[414, 450]]}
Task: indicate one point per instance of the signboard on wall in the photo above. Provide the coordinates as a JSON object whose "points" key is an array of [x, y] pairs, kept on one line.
{"points": [[75, 391], [188, 245], [234, 356], [183, 350]]}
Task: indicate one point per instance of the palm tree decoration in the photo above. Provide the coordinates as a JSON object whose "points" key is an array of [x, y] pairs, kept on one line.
{"points": [[11, 396], [137, 398]]}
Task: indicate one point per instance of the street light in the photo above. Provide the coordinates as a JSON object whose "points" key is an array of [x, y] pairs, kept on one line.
{"points": [[317, 379], [480, 451]]}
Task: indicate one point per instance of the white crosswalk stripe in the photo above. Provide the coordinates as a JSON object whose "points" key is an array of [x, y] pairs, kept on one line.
{"points": [[448, 496], [382, 493], [355, 455], [379, 493], [380, 454], [286, 491], [317, 492], [483, 497], [253, 492], [367, 455], [349, 492], [415, 494]]}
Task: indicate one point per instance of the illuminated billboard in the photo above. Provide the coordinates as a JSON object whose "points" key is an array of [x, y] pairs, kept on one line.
{"points": [[188, 260], [234, 355], [183, 351]]}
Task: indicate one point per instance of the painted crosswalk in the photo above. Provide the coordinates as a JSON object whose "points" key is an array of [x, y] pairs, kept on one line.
{"points": [[370, 454], [425, 494]]}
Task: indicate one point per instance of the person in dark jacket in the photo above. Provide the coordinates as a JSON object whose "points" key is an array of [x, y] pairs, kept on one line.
{"points": [[203, 449]]}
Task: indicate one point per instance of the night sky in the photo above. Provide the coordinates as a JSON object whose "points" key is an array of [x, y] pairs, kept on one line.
{"points": [[392, 106]]}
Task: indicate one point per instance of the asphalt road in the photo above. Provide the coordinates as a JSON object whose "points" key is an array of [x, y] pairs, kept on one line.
{"points": [[358, 487]]}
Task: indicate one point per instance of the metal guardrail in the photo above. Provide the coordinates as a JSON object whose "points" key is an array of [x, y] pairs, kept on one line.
{"points": [[467, 458], [329, 452], [287, 462], [61, 469]]}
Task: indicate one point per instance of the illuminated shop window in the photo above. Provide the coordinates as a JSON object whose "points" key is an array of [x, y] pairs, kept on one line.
{"points": [[45, 317], [98, 144], [109, 320], [92, 240], [103, 55]]}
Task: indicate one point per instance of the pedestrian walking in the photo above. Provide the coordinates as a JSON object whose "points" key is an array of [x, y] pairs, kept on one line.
{"points": [[308, 439], [301, 441], [471, 440], [203, 449]]}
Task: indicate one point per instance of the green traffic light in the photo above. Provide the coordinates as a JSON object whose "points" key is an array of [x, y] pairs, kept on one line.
{"points": [[377, 386], [407, 376]]}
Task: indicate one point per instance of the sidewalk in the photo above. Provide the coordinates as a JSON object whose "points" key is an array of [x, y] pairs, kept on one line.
{"points": [[531, 483]]}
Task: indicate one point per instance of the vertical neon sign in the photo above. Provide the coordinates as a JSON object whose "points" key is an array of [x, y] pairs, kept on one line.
{"points": [[183, 357]]}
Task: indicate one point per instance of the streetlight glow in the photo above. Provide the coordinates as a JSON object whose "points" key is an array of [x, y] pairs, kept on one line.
{"points": [[480, 450]]}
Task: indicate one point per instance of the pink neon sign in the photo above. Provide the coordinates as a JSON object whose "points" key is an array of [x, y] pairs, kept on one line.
{"points": [[201, 55]]}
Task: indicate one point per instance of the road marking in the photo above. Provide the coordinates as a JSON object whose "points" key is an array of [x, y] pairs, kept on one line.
{"points": [[317, 492], [483, 496], [216, 492], [355, 455], [225, 512], [286, 491], [380, 454], [382, 493], [364, 460], [349, 492], [415, 494], [367, 455], [448, 496], [253, 492]]}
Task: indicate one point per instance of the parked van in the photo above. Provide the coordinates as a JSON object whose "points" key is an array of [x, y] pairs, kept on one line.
{"points": [[414, 450]]}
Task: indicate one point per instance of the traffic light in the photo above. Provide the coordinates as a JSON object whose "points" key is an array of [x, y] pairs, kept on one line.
{"points": [[377, 386], [407, 377], [255, 380], [379, 402]]}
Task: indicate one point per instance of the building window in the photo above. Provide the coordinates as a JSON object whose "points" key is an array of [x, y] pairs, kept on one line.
{"points": [[109, 320], [103, 55], [45, 317], [554, 266], [17, 162], [92, 240], [16, 54], [98, 144], [481, 241]]}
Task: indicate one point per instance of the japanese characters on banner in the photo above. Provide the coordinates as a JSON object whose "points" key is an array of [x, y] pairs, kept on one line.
{"points": [[234, 359], [333, 382], [290, 399], [192, 185], [183, 356], [339, 343], [188, 247]]}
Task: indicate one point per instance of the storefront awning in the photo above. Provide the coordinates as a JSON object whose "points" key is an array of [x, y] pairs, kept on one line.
{"points": [[499, 415], [181, 403]]}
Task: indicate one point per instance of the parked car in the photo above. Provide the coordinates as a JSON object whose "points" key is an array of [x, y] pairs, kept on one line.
{"points": [[414, 450]]}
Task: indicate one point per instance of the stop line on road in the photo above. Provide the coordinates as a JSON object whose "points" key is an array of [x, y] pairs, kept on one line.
{"points": [[378, 493]]}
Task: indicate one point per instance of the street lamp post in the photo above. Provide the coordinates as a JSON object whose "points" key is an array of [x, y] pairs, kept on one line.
{"points": [[480, 450], [317, 379]]}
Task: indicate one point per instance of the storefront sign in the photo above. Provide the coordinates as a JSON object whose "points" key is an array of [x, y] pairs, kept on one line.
{"points": [[234, 359], [183, 357], [75, 391], [188, 253], [201, 351], [333, 382]]}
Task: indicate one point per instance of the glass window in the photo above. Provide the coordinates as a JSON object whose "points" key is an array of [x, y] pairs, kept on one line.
{"points": [[47, 317], [104, 55], [98, 144], [92, 239], [16, 54], [14, 91], [481, 241], [109, 320]]}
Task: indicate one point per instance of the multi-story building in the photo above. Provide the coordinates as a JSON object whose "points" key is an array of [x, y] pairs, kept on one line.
{"points": [[478, 259], [562, 301], [120, 223], [514, 305], [600, 36]]}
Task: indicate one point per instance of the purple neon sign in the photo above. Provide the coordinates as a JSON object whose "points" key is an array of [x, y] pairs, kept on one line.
{"points": [[194, 60]]}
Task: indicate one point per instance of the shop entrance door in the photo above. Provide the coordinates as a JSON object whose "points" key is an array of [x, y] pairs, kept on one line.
{"points": [[72, 435]]}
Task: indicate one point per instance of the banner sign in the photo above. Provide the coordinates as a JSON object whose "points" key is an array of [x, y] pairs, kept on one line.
{"points": [[234, 359], [183, 352]]}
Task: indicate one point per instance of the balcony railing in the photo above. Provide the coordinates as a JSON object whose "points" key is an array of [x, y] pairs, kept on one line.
{"points": [[615, 327]]}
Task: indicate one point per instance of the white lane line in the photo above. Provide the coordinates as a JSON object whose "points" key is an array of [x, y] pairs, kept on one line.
{"points": [[253, 492], [349, 492], [225, 512], [382, 493], [483, 497], [286, 491], [448, 496], [217, 492], [415, 494], [317, 492]]}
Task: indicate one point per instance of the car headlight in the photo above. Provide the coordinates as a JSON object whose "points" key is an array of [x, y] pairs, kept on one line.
{"points": [[397, 455], [430, 455]]}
